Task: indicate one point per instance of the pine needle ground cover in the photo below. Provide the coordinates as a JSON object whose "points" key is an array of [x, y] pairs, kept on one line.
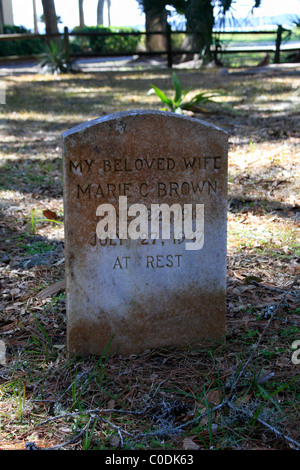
{"points": [[240, 394]]}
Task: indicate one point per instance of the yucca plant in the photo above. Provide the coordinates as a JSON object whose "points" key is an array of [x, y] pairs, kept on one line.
{"points": [[55, 59], [178, 104]]}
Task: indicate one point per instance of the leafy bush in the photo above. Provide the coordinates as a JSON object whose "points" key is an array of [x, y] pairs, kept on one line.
{"points": [[97, 43], [177, 41], [20, 46]]}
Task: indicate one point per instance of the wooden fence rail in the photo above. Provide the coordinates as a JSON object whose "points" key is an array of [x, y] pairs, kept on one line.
{"points": [[169, 51]]}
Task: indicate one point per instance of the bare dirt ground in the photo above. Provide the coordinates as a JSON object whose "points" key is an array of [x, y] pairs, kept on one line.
{"points": [[240, 394]]}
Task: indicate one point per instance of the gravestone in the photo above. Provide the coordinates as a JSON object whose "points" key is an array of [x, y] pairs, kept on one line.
{"points": [[145, 232]]}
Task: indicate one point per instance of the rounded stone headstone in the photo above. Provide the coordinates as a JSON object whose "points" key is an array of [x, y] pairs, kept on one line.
{"points": [[145, 200]]}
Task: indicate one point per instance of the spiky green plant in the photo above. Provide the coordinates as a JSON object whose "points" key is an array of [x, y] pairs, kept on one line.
{"points": [[55, 60], [178, 104]]}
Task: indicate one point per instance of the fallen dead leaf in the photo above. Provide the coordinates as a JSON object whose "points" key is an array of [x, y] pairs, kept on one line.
{"points": [[50, 214], [111, 404], [214, 429], [189, 444], [240, 289], [213, 397], [244, 399], [114, 441], [65, 429], [51, 290], [239, 276]]}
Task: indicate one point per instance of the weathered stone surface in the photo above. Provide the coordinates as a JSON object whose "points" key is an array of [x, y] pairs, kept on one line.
{"points": [[146, 292]]}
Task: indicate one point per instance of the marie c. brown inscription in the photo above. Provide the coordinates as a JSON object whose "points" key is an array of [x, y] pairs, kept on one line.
{"points": [[161, 189]]}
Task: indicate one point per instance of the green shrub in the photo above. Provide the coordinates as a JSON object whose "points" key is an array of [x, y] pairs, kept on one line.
{"points": [[20, 46], [177, 41], [103, 43]]}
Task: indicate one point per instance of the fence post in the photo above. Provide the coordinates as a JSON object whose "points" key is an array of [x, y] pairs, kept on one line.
{"points": [[278, 44], [169, 46], [67, 43]]}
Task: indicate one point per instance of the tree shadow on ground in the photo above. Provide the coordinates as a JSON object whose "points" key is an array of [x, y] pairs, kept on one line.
{"points": [[255, 205], [42, 178]]}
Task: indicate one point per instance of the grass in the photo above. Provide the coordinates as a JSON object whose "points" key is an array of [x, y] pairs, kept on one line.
{"points": [[250, 39], [169, 398], [35, 248], [247, 40]]}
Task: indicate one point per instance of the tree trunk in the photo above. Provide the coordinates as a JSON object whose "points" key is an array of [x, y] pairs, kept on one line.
{"points": [[100, 7], [200, 22], [1, 17], [81, 14], [156, 21], [50, 17], [108, 11], [35, 21]]}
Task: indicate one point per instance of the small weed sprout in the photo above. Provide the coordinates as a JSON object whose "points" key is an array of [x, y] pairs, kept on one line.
{"points": [[35, 219]]}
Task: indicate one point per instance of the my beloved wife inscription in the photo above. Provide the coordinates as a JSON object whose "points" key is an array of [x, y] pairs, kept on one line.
{"points": [[145, 232]]}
